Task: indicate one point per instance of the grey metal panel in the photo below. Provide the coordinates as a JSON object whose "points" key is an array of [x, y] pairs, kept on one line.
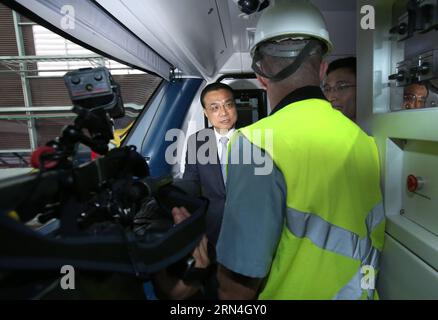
{"points": [[194, 35], [335, 5], [409, 259], [404, 276], [415, 238]]}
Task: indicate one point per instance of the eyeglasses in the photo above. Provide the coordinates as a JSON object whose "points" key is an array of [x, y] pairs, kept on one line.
{"points": [[337, 88], [412, 98], [216, 106]]}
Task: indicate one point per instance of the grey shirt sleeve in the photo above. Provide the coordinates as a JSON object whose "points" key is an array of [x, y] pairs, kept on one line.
{"points": [[254, 213]]}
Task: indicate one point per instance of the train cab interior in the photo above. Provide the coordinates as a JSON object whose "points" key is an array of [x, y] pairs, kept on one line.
{"points": [[178, 47]]}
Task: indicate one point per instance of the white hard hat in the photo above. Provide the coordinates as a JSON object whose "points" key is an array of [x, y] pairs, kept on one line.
{"points": [[291, 19]]}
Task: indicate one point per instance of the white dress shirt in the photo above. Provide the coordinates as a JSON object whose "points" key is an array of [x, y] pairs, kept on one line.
{"points": [[218, 143]]}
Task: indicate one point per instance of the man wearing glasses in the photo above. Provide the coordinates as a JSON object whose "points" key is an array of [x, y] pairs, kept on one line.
{"points": [[415, 96], [206, 152], [340, 86], [205, 159]]}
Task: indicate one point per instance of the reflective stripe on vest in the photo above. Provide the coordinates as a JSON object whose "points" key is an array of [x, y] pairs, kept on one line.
{"points": [[335, 239]]}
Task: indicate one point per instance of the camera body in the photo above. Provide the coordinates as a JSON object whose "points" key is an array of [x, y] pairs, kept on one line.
{"points": [[105, 216], [251, 6], [94, 88]]}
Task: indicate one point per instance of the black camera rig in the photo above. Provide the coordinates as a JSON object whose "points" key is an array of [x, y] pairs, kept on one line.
{"points": [[106, 215]]}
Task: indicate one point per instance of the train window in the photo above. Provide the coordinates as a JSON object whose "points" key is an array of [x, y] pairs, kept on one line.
{"points": [[47, 43], [34, 104]]}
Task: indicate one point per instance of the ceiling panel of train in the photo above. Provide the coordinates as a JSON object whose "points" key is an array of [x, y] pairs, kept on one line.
{"points": [[194, 35], [207, 37], [200, 37]]}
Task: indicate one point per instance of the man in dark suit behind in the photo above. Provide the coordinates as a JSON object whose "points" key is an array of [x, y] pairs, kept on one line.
{"points": [[206, 152]]}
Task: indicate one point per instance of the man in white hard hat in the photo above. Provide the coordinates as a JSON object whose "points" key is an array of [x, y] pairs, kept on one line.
{"points": [[308, 228]]}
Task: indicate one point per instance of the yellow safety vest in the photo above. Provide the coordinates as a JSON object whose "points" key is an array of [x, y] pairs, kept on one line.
{"points": [[334, 226]]}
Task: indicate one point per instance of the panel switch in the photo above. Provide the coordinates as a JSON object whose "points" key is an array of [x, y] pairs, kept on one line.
{"points": [[414, 183]]}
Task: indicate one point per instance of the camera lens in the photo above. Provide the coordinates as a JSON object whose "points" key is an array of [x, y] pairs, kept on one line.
{"points": [[248, 6]]}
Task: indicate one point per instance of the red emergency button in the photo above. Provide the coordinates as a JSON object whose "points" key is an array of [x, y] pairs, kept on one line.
{"points": [[414, 183]]}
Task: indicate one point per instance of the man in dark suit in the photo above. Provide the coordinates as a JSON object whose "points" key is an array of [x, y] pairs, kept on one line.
{"points": [[206, 152]]}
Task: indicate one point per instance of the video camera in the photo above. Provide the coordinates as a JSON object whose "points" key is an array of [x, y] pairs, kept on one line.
{"points": [[104, 216]]}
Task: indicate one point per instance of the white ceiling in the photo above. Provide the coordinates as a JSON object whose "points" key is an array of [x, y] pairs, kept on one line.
{"points": [[201, 36], [335, 5]]}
